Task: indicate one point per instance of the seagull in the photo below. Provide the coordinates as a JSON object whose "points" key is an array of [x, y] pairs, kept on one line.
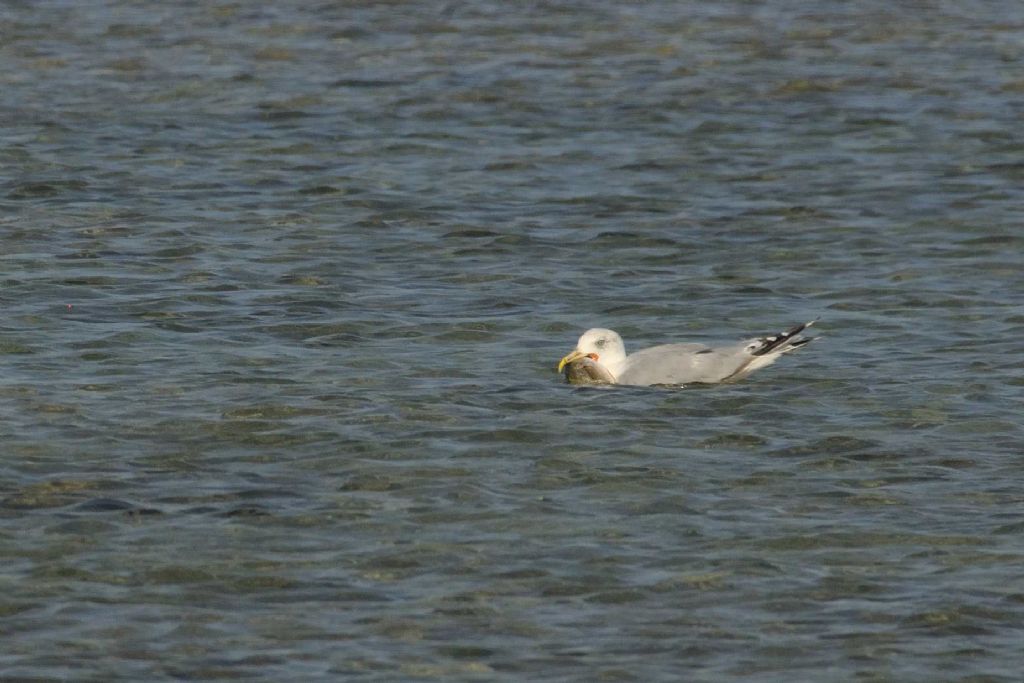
{"points": [[682, 363]]}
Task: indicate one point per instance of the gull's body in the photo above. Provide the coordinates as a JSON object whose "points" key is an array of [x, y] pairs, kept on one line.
{"points": [[683, 363]]}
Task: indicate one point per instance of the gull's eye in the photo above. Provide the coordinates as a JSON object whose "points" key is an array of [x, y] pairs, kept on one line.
{"points": [[600, 343]]}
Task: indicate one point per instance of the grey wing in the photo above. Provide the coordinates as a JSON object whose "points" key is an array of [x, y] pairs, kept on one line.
{"points": [[683, 364]]}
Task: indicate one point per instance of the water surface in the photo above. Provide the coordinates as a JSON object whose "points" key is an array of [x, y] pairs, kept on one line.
{"points": [[284, 288]]}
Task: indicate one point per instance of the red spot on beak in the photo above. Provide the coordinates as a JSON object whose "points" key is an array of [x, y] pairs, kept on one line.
{"points": [[592, 356]]}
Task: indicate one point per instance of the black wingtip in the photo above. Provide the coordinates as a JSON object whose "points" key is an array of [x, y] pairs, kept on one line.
{"points": [[782, 340]]}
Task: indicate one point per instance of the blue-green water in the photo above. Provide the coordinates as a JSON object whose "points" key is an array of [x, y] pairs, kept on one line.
{"points": [[284, 286]]}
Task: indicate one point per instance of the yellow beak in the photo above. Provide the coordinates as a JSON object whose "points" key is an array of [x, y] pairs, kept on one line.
{"points": [[575, 355]]}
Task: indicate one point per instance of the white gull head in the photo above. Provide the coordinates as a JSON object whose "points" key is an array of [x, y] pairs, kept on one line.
{"points": [[601, 345]]}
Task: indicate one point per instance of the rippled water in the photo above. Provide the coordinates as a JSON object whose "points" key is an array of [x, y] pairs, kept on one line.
{"points": [[284, 287]]}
